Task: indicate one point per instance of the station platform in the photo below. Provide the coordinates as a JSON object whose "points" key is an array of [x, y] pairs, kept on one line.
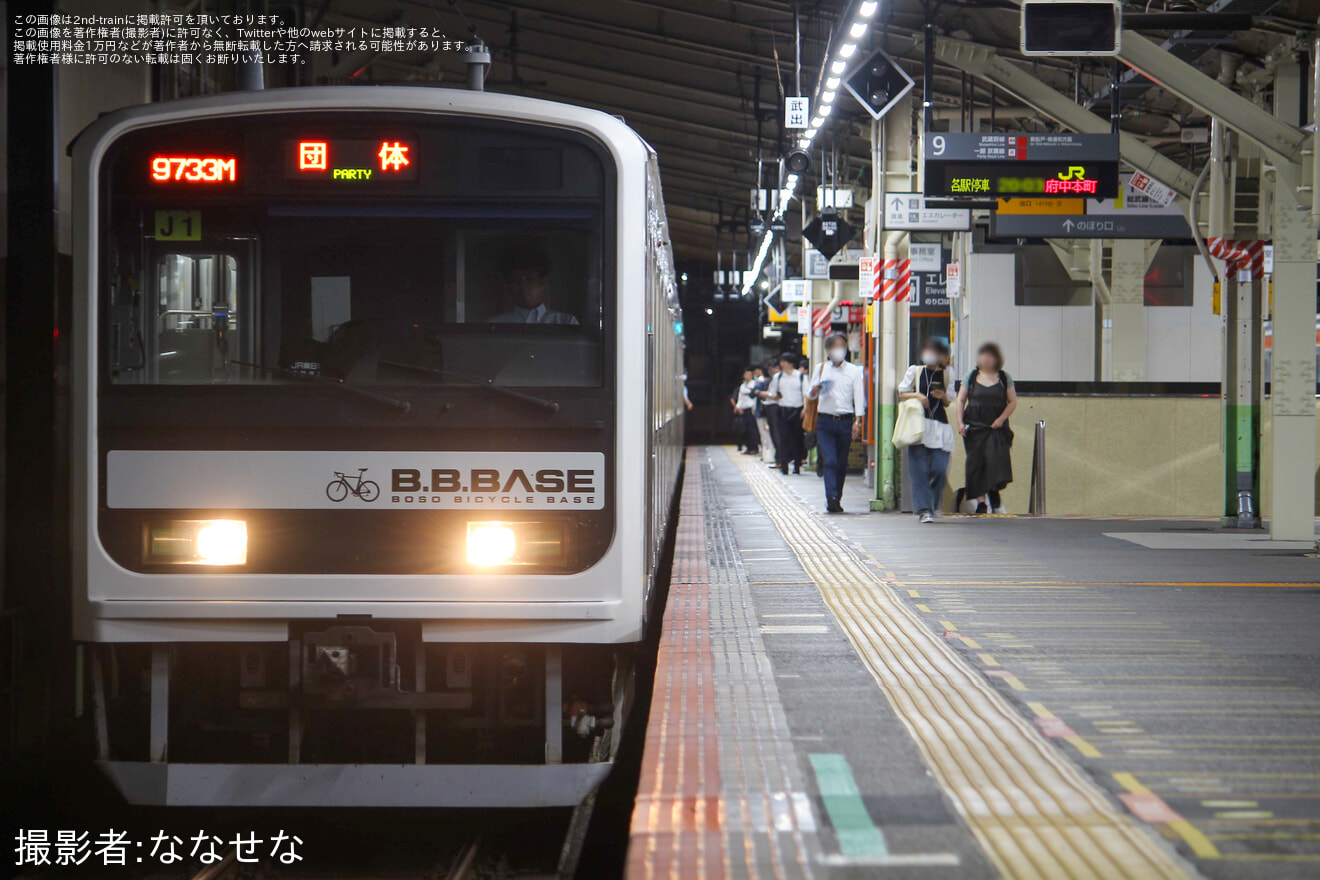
{"points": [[859, 695]]}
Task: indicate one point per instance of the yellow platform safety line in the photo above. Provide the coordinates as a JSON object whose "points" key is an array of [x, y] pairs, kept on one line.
{"points": [[924, 609], [927, 581], [1034, 813], [1198, 842]]}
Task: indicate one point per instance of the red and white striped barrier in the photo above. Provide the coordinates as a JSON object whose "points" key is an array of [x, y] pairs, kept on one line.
{"points": [[896, 285], [821, 318], [1247, 258]]}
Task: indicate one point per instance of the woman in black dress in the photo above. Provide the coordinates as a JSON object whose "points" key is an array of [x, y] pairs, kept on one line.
{"points": [[985, 402]]}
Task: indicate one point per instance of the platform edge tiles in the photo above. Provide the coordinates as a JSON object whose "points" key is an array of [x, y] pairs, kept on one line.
{"points": [[715, 713], [1035, 814]]}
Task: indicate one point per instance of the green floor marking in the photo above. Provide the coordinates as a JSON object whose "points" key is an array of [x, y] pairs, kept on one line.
{"points": [[857, 834]]}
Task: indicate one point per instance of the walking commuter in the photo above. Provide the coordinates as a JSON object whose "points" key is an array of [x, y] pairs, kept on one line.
{"points": [[749, 439], [928, 461], [841, 389], [985, 402], [768, 420], [790, 393]]}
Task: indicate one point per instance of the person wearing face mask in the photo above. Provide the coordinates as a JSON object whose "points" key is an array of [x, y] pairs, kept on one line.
{"points": [[841, 389], [789, 387], [928, 461], [985, 401]]}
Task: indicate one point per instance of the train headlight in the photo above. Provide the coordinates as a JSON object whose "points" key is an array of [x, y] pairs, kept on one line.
{"points": [[196, 542], [223, 542], [521, 542], [490, 543]]}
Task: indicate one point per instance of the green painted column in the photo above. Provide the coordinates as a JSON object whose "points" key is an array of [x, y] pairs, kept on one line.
{"points": [[887, 485], [1240, 303]]}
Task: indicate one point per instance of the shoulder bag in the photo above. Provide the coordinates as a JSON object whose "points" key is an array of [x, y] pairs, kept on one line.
{"points": [[810, 408], [910, 425]]}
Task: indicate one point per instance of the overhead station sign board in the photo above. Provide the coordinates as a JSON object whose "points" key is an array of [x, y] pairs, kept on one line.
{"points": [[1064, 165], [909, 211], [1134, 214]]}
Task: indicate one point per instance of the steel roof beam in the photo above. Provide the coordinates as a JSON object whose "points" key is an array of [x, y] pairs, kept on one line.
{"points": [[1213, 98], [1185, 44], [986, 63]]}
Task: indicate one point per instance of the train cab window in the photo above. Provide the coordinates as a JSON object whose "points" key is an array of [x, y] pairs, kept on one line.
{"points": [[197, 316], [491, 259]]}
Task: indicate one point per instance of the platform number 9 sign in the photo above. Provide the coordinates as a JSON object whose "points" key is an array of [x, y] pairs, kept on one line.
{"points": [[937, 145]]}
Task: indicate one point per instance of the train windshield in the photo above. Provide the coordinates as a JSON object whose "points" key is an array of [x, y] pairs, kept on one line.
{"points": [[404, 252]]}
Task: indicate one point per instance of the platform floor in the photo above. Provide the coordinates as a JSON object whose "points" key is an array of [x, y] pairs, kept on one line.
{"points": [[859, 695]]}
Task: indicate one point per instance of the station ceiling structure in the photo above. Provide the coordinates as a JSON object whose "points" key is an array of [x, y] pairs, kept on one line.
{"points": [[695, 77]]}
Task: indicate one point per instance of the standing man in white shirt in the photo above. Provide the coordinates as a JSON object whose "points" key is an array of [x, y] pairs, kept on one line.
{"points": [[766, 411], [744, 406], [841, 389], [789, 390]]}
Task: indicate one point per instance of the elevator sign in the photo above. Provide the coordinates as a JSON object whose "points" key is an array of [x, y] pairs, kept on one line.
{"points": [[1011, 165]]}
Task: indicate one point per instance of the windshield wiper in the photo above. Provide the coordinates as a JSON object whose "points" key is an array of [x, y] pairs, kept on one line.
{"points": [[375, 397], [543, 403]]}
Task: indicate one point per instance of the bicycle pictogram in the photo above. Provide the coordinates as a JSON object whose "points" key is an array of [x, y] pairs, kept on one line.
{"points": [[342, 486]]}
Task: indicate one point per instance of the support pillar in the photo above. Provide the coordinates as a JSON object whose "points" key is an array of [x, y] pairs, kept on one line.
{"points": [[1292, 369], [1127, 310], [895, 141]]}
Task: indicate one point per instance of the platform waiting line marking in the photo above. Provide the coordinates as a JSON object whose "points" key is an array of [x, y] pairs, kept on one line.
{"points": [[1054, 727], [1150, 807], [1033, 812], [861, 843], [857, 834]]}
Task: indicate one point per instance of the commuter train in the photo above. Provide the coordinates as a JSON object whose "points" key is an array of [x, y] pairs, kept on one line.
{"points": [[377, 429]]}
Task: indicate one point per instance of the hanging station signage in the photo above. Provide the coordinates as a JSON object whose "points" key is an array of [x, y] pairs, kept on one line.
{"points": [[1136, 213], [1064, 165]]}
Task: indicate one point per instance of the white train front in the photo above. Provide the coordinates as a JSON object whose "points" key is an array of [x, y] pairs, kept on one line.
{"points": [[378, 420]]}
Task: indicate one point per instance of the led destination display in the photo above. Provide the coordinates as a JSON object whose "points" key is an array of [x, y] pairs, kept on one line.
{"points": [[1008, 165]]}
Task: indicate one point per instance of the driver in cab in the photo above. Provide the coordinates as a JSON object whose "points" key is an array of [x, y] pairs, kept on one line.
{"points": [[526, 277]]}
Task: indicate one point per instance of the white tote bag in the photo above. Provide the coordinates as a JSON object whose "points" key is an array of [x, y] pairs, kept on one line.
{"points": [[910, 426]]}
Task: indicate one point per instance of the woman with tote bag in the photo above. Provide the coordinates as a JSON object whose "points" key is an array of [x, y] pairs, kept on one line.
{"points": [[927, 385]]}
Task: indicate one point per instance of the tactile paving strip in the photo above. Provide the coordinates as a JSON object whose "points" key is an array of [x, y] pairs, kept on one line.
{"points": [[1033, 812], [720, 794]]}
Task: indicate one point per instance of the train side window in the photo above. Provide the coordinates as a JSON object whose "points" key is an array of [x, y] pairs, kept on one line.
{"points": [[197, 317]]}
